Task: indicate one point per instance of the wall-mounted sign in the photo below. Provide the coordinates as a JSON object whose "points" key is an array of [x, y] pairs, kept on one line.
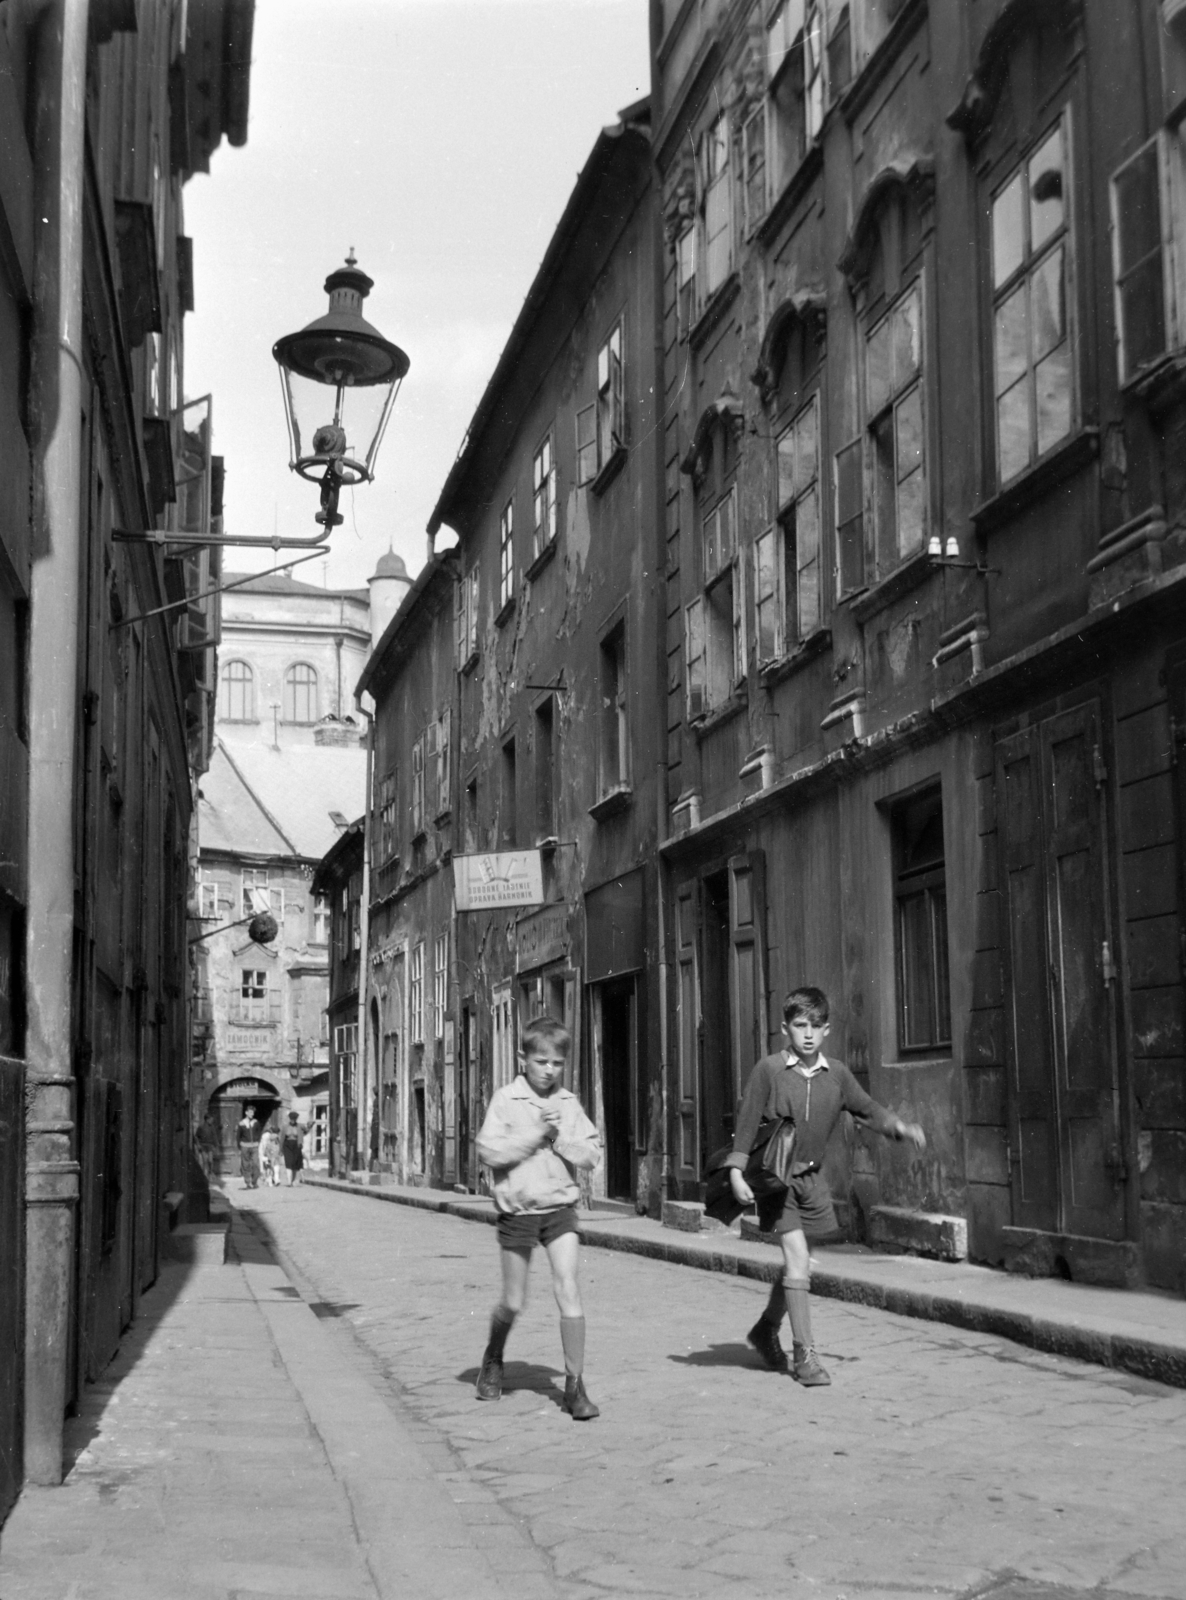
{"points": [[258, 1039], [541, 938], [486, 883]]}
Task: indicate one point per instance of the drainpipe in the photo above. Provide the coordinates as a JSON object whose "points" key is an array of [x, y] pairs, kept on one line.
{"points": [[366, 1099], [56, 398]]}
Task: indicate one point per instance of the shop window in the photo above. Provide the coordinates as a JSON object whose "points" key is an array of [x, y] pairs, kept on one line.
{"points": [[1033, 369], [920, 923]]}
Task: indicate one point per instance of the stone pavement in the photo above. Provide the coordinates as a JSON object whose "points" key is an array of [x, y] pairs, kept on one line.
{"points": [[302, 1422], [1142, 1333], [228, 1454], [942, 1461]]}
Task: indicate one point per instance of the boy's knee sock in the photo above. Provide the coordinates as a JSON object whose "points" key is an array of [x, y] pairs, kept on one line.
{"points": [[776, 1306], [572, 1337], [799, 1306], [501, 1323]]}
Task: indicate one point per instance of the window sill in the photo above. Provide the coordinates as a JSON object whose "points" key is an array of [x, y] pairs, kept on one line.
{"points": [[1059, 463], [719, 302], [1160, 385], [468, 665], [609, 472], [443, 818], [541, 560], [791, 193], [611, 804], [504, 616], [914, 570], [709, 721], [774, 672]]}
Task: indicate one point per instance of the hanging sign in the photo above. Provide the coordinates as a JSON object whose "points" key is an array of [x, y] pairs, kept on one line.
{"points": [[486, 883]]}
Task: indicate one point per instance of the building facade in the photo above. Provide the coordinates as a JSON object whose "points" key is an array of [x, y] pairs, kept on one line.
{"points": [[106, 668], [287, 774], [511, 715], [924, 522]]}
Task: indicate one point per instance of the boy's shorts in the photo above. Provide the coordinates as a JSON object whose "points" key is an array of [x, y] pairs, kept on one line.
{"points": [[808, 1205], [522, 1230]]}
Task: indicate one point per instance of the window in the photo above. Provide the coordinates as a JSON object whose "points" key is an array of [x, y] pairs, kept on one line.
{"points": [[545, 784], [300, 693], [601, 427], [1147, 194], [543, 498], [387, 838], [255, 891], [1032, 368], [208, 899], [346, 1054], [442, 733], [440, 984], [253, 995], [753, 168], [506, 812], [502, 1010], [787, 601], [471, 814], [920, 924], [237, 692], [714, 629], [795, 78], [418, 787], [506, 557], [465, 619], [416, 994], [615, 726], [716, 205], [320, 919], [685, 280], [356, 913], [893, 397], [850, 518]]}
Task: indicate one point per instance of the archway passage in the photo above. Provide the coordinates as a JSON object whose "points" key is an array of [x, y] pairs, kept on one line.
{"points": [[226, 1109]]}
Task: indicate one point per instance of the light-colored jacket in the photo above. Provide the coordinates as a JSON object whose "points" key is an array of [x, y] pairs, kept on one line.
{"points": [[530, 1173]]}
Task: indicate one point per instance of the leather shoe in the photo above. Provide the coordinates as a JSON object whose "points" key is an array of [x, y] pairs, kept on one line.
{"points": [[489, 1384], [807, 1370], [577, 1403], [764, 1338]]}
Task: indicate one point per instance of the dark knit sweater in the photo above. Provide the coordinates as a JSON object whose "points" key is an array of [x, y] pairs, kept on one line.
{"points": [[814, 1104]]}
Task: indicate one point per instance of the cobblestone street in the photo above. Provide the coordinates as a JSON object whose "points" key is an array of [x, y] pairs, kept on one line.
{"points": [[940, 1461]]}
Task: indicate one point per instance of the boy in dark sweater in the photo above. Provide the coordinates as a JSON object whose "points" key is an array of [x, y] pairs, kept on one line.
{"points": [[800, 1083]]}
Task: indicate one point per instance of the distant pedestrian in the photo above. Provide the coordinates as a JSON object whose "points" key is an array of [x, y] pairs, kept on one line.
{"points": [[536, 1138], [269, 1156], [292, 1148], [247, 1133], [802, 1084], [206, 1145]]}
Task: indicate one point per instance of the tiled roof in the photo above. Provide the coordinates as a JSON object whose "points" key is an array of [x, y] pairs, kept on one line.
{"points": [[279, 802]]}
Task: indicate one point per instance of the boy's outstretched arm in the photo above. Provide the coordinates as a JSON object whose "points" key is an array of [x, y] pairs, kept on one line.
{"points": [[867, 1110]]}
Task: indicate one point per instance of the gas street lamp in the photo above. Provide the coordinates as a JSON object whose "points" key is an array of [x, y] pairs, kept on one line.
{"points": [[339, 378]]}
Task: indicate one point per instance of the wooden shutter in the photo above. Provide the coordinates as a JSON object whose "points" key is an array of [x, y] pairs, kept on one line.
{"points": [[688, 1020], [586, 423], [695, 664], [747, 964]]}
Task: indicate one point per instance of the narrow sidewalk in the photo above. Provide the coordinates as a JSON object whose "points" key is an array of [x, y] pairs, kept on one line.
{"points": [[1131, 1330], [239, 1447]]}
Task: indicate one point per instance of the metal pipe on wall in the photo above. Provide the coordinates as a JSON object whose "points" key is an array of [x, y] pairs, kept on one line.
{"points": [[56, 401]]}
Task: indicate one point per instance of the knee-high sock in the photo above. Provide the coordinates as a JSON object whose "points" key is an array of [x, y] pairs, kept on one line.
{"points": [[799, 1305], [572, 1337], [501, 1323], [776, 1306]]}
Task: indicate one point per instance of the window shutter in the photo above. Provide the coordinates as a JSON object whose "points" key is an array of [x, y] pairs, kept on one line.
{"points": [[418, 785], [768, 630], [694, 659], [740, 651], [472, 613], [460, 623], [275, 1004], [443, 741], [586, 444], [850, 517], [747, 965]]}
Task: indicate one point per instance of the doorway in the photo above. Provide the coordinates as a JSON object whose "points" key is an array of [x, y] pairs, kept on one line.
{"points": [[615, 1023], [1067, 1171], [717, 1097]]}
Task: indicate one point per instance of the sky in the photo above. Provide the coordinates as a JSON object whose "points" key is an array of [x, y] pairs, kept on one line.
{"points": [[441, 140]]}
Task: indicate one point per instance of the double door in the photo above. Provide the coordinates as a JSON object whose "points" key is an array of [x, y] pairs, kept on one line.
{"points": [[1066, 1167]]}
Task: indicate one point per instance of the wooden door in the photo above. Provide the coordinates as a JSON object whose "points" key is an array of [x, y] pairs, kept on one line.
{"points": [[1066, 1171]]}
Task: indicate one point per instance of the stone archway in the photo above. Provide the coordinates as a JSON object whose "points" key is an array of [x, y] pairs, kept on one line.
{"points": [[226, 1105]]}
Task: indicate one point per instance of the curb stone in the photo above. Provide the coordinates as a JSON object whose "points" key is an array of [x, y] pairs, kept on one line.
{"points": [[1151, 1359]]}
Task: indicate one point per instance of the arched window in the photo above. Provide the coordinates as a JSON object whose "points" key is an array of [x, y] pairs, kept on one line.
{"points": [[300, 693], [237, 692]]}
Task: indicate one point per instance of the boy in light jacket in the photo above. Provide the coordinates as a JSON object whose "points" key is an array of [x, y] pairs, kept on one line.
{"points": [[536, 1138]]}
